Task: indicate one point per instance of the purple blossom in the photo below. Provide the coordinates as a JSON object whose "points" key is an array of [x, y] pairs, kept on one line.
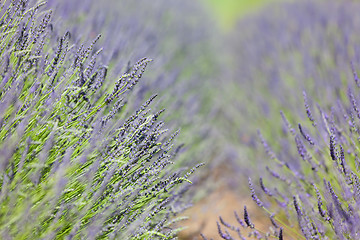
{"points": [[281, 234], [305, 135], [287, 123], [354, 103], [247, 218], [253, 194], [307, 108], [266, 190], [356, 78], [239, 220], [273, 221], [222, 234], [332, 148]]}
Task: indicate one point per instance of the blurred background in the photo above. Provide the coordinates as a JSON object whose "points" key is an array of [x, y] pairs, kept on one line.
{"points": [[223, 188], [228, 12]]}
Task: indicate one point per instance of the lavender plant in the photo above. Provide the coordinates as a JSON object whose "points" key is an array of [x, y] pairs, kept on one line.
{"points": [[179, 36], [310, 187], [185, 64], [76, 161]]}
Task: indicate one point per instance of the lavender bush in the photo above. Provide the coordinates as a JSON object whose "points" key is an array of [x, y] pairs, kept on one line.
{"points": [[308, 53], [76, 160], [176, 34]]}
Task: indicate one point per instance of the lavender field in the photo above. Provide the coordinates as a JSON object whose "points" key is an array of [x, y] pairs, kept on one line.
{"points": [[123, 119]]}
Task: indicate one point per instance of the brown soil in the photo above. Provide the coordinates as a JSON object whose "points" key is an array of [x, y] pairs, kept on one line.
{"points": [[222, 202]]}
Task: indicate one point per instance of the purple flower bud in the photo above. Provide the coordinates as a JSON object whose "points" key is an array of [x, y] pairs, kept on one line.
{"points": [[273, 221], [354, 103], [356, 78], [222, 234], [253, 194], [332, 148], [342, 160], [297, 207], [268, 149], [203, 237], [307, 108], [247, 218], [281, 234], [320, 203], [287, 123], [302, 149], [338, 204], [305, 135], [239, 220], [266, 190], [225, 223]]}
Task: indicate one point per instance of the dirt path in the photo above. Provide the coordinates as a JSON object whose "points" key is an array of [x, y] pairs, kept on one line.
{"points": [[222, 202]]}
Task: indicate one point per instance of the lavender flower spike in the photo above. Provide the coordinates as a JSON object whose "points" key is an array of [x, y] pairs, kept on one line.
{"points": [[247, 219], [307, 108], [356, 77], [253, 194]]}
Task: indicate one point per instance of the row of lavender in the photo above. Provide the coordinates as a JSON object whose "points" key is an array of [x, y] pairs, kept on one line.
{"points": [[308, 55], [82, 154]]}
